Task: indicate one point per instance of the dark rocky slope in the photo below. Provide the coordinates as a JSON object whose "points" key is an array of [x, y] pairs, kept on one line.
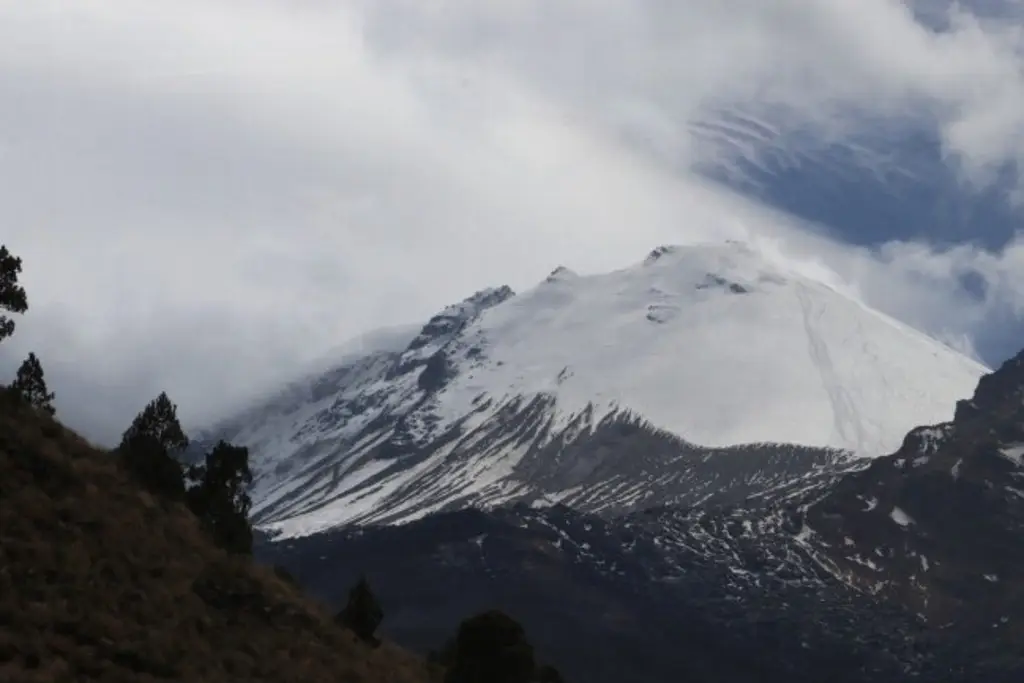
{"points": [[942, 520], [644, 599]]}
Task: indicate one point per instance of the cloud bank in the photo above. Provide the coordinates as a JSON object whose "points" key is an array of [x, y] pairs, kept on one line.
{"points": [[209, 196]]}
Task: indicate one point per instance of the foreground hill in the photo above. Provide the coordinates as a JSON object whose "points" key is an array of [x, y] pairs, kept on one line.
{"points": [[102, 581], [661, 383]]}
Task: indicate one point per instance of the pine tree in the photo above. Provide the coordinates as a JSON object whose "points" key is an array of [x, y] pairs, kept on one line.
{"points": [[219, 496], [159, 420], [31, 385], [12, 295], [362, 614], [151, 465], [148, 445]]}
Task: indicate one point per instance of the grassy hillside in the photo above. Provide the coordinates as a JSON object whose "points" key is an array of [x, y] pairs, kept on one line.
{"points": [[102, 581]]}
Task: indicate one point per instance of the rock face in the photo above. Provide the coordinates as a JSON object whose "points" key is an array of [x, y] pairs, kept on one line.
{"points": [[672, 382]]}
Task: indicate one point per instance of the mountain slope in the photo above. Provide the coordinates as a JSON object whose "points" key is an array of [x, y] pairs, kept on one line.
{"points": [[101, 581], [907, 569], [942, 519], [621, 599], [608, 392]]}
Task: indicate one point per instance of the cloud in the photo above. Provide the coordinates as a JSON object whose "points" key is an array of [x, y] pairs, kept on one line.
{"points": [[209, 197], [803, 64]]}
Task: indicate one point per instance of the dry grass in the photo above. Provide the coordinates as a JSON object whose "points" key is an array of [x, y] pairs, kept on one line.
{"points": [[100, 581]]}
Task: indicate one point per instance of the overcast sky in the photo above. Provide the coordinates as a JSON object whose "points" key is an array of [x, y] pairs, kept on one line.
{"points": [[208, 194]]}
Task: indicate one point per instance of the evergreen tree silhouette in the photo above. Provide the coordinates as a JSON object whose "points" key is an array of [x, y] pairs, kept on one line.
{"points": [[12, 295], [159, 420], [30, 384], [148, 446], [219, 496]]}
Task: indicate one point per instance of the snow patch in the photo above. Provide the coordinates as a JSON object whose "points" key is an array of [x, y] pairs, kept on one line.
{"points": [[1014, 453], [900, 517]]}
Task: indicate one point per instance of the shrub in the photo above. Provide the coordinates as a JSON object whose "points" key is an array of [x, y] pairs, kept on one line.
{"points": [[362, 613], [492, 648]]}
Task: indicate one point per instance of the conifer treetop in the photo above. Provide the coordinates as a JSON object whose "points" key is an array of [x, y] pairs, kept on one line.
{"points": [[159, 419], [12, 295]]}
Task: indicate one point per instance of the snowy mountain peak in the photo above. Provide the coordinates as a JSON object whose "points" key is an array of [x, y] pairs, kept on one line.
{"points": [[477, 302], [657, 253], [606, 391], [456, 316], [720, 345], [729, 260], [491, 296], [725, 249], [731, 267]]}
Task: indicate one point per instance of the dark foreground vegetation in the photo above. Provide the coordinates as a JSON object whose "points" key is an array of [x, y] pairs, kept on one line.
{"points": [[102, 580]]}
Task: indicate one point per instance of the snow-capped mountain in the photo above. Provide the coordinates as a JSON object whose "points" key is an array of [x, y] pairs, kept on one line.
{"points": [[669, 382], [911, 568]]}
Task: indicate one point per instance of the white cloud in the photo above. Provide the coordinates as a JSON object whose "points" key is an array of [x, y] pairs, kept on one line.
{"points": [[208, 195]]}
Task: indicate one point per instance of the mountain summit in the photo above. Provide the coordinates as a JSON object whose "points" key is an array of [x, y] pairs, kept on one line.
{"points": [[602, 391]]}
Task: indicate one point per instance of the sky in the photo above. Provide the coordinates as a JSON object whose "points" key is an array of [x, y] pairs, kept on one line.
{"points": [[210, 196]]}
